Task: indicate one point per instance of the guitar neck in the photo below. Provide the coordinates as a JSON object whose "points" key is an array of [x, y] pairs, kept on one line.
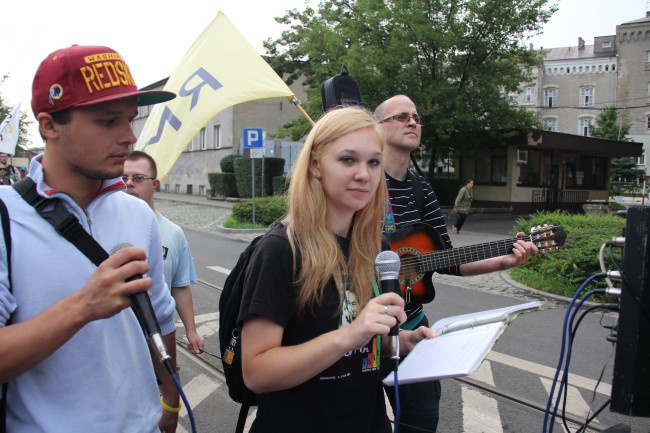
{"points": [[430, 262]]}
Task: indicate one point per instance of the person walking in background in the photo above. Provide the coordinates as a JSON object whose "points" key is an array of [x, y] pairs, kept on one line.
{"points": [[462, 204], [72, 352], [4, 180], [403, 126], [11, 172], [311, 311], [140, 177], [23, 171]]}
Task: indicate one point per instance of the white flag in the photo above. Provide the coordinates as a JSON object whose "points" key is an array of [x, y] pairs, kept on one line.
{"points": [[9, 131]]}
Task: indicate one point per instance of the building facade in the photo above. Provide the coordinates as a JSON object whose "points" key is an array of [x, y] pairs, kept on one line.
{"points": [[575, 83], [221, 136]]}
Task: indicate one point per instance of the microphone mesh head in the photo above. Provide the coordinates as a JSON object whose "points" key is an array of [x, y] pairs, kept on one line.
{"points": [[119, 246], [387, 261]]}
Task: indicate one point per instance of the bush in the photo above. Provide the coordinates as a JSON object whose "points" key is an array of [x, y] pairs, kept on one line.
{"points": [[223, 184], [263, 187], [563, 271], [227, 163], [280, 185], [267, 210]]}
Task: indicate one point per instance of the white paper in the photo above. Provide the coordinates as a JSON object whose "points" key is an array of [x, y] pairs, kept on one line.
{"points": [[457, 353]]}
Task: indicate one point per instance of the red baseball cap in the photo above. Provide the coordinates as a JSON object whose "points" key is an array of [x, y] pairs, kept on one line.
{"points": [[84, 75]]}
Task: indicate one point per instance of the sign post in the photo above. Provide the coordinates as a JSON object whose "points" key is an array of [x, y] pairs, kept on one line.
{"points": [[254, 141]]}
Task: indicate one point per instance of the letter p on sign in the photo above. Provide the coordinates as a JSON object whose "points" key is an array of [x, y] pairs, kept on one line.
{"points": [[253, 138]]}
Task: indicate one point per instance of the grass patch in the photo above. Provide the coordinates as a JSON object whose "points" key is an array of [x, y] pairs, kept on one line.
{"points": [[562, 271], [232, 223]]}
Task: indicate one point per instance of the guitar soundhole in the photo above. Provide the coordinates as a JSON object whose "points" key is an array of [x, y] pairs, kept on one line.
{"points": [[409, 265]]}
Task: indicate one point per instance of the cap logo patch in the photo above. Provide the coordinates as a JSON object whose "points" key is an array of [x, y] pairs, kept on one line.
{"points": [[56, 92]]}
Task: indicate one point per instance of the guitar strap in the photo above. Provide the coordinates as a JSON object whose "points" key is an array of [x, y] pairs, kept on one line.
{"points": [[418, 193]]}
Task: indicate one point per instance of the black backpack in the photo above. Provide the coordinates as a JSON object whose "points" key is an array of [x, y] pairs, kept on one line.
{"points": [[229, 334], [340, 90]]}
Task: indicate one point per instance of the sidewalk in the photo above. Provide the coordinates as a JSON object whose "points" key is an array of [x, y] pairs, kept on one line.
{"points": [[203, 214]]}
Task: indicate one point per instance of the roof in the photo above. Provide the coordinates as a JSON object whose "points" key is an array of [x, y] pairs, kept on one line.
{"points": [[640, 20], [569, 53], [591, 146]]}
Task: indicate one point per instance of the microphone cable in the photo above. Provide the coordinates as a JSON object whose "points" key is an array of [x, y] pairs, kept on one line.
{"points": [[397, 403], [170, 368]]}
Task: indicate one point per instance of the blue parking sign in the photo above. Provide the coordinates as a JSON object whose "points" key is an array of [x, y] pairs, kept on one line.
{"points": [[253, 138]]}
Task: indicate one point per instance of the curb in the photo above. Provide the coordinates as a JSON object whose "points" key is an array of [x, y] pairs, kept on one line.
{"points": [[506, 276]]}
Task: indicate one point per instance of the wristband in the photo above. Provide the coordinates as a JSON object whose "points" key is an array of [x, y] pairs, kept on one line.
{"points": [[168, 408]]}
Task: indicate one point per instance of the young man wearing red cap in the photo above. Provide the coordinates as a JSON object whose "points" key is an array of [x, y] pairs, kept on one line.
{"points": [[74, 356]]}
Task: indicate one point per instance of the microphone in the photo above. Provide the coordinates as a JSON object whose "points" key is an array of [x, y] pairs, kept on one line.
{"points": [[387, 265], [144, 312]]}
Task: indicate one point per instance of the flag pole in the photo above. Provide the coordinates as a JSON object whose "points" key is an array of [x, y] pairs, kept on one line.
{"points": [[298, 105]]}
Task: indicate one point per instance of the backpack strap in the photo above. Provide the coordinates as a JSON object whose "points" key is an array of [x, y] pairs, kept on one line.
{"points": [[6, 231], [65, 224], [418, 193]]}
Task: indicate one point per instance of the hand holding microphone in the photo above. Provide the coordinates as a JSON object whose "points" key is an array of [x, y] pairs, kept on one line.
{"points": [[387, 265], [145, 314]]}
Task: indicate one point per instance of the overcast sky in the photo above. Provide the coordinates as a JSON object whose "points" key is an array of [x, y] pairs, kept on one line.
{"points": [[153, 36]]}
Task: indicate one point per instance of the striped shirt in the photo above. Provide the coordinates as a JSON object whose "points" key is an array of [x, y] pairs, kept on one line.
{"points": [[405, 209]]}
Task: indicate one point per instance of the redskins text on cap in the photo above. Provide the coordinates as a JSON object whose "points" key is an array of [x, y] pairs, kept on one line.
{"points": [[83, 75]]}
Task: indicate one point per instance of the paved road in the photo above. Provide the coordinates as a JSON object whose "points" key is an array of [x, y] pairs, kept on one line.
{"points": [[215, 412]]}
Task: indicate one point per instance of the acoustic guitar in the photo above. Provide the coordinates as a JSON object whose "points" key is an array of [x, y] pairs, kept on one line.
{"points": [[422, 252]]}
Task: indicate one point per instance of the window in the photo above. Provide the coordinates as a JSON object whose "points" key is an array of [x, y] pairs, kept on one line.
{"points": [[201, 137], [585, 172], [216, 136], [537, 171], [606, 44], [647, 56], [489, 164], [550, 124], [550, 98], [529, 94], [585, 126], [587, 96], [190, 146], [647, 122], [641, 160]]}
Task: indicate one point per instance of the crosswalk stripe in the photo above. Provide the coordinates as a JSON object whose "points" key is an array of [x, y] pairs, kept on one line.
{"points": [[548, 372], [219, 269], [480, 412], [484, 373], [197, 389], [575, 404]]}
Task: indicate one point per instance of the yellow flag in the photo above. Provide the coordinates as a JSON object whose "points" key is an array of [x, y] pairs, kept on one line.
{"points": [[220, 70]]}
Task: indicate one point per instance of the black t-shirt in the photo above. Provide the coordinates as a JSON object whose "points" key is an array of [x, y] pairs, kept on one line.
{"points": [[347, 396]]}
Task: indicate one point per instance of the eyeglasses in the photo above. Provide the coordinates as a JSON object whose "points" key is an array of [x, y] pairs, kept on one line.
{"points": [[404, 118], [3, 169], [137, 178]]}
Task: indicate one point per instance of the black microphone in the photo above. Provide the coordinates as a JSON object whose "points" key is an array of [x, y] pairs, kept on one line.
{"points": [[387, 265], [144, 312]]}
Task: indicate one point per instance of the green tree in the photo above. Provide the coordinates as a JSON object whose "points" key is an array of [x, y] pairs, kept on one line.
{"points": [[457, 60], [23, 141], [610, 126]]}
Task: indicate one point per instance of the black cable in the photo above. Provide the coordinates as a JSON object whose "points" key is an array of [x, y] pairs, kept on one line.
{"points": [[591, 418]]}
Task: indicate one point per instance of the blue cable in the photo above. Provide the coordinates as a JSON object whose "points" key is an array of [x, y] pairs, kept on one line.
{"points": [[564, 333], [397, 406], [568, 355], [177, 382]]}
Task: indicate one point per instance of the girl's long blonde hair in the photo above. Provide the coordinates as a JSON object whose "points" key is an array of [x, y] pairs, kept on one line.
{"points": [[320, 256]]}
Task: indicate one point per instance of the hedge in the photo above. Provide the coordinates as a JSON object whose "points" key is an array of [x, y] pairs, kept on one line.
{"points": [[243, 168]]}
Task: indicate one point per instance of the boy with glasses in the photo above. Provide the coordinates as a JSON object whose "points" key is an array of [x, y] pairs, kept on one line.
{"points": [[403, 126], [140, 176]]}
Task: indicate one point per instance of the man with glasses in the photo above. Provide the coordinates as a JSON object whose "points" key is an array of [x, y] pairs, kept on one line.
{"points": [[4, 180], [410, 203], [140, 172], [11, 172]]}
